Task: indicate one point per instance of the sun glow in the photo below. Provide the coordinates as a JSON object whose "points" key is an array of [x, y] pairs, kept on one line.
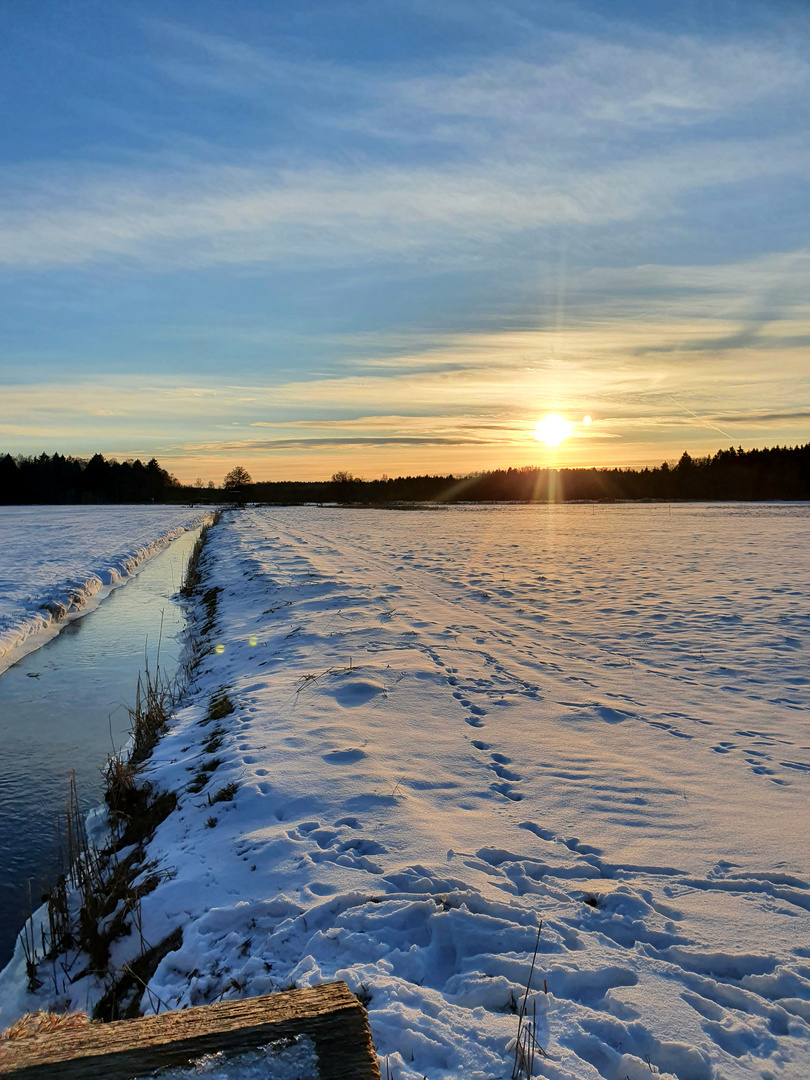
{"points": [[552, 429]]}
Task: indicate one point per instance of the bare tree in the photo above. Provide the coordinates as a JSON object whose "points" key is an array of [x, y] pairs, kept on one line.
{"points": [[236, 478], [344, 486]]}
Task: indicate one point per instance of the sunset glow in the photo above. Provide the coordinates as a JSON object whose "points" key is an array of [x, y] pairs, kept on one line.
{"points": [[301, 239]]}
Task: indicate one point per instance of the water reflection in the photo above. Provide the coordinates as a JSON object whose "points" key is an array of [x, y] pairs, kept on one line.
{"points": [[64, 707]]}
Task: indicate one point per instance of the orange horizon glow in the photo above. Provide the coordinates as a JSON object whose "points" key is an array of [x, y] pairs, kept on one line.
{"points": [[427, 460]]}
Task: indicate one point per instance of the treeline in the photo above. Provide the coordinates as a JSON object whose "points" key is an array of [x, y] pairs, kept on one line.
{"points": [[56, 479], [744, 475]]}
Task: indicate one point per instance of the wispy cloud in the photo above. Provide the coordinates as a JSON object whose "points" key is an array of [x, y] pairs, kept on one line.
{"points": [[203, 217], [566, 136], [475, 397], [563, 83], [597, 219]]}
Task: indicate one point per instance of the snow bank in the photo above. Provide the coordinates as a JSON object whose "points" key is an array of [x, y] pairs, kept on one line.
{"points": [[56, 560], [450, 726]]}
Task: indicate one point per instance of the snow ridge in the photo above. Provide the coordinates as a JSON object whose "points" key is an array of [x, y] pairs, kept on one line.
{"points": [[53, 572]]}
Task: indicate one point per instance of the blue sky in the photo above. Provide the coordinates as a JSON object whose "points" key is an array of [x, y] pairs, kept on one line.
{"points": [[389, 237]]}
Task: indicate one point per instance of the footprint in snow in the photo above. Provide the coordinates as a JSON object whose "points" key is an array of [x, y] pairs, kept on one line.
{"points": [[319, 888], [363, 847], [357, 692], [531, 826], [611, 716], [504, 773], [344, 757], [323, 837], [505, 789]]}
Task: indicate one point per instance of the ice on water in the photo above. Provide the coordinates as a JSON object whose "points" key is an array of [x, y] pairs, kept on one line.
{"points": [[56, 560], [297, 1061]]}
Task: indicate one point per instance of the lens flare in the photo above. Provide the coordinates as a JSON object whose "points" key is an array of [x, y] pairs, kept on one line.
{"points": [[552, 429]]}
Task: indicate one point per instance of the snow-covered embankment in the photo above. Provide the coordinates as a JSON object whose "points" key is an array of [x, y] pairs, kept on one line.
{"points": [[57, 561], [417, 735]]}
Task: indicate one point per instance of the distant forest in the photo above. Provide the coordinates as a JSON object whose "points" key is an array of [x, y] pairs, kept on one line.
{"points": [[47, 480], [745, 475]]}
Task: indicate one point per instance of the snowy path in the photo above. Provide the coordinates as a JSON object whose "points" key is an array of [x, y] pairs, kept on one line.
{"points": [[449, 725]]}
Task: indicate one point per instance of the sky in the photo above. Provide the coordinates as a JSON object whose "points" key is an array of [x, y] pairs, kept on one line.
{"points": [[389, 237]]}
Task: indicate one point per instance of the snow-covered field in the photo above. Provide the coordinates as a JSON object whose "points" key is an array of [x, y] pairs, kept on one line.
{"points": [[57, 560], [452, 724]]}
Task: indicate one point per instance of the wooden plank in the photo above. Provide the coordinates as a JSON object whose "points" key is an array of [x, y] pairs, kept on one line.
{"points": [[329, 1014]]}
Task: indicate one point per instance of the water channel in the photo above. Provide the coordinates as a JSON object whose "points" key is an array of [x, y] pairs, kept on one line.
{"points": [[65, 707]]}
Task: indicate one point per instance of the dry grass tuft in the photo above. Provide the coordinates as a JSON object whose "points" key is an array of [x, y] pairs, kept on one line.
{"points": [[192, 577], [224, 794], [203, 775], [119, 784], [526, 1045], [219, 707], [154, 699], [43, 1023]]}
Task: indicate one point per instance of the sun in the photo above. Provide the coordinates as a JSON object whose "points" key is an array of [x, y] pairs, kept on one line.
{"points": [[552, 429]]}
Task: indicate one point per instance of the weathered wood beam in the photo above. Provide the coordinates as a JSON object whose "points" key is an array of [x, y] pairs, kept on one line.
{"points": [[329, 1014]]}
